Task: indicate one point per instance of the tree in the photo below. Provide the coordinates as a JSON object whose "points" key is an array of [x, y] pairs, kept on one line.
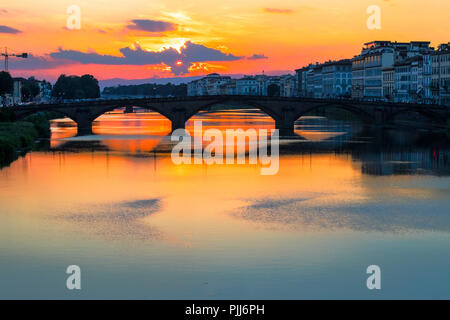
{"points": [[30, 89], [90, 86], [74, 87], [6, 83], [148, 89], [273, 90]]}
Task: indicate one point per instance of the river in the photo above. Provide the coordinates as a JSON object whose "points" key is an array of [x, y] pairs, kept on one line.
{"points": [[345, 197]]}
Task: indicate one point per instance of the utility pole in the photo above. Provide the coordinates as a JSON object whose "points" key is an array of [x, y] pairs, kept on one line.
{"points": [[7, 55]]}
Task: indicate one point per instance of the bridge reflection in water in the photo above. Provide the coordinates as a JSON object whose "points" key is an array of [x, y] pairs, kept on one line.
{"points": [[381, 152]]}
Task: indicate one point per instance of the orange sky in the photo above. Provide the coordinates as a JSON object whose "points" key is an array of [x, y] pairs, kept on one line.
{"points": [[290, 33]]}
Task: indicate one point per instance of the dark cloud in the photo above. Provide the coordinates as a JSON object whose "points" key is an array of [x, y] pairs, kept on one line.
{"points": [[3, 11], [199, 53], [35, 63], [257, 57], [6, 29], [275, 10], [178, 61], [151, 25]]}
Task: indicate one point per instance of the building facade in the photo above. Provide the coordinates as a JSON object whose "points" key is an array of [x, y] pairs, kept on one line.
{"points": [[440, 78], [214, 84], [388, 83], [373, 67], [410, 72], [14, 98], [337, 79]]}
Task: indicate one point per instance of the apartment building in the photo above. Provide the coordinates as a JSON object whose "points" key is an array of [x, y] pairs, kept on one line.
{"points": [[301, 79], [247, 86], [440, 78], [210, 85], [383, 71], [388, 83], [337, 79], [214, 84], [404, 84], [374, 65], [287, 85]]}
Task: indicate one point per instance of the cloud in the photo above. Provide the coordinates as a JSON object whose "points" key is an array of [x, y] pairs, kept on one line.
{"points": [[275, 10], [151, 25], [257, 57], [180, 62], [3, 11], [35, 62], [6, 29]]}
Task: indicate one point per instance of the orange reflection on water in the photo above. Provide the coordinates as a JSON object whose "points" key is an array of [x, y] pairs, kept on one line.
{"points": [[194, 199], [144, 123]]}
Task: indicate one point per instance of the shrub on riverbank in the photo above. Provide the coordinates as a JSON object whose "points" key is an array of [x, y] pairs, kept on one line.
{"points": [[19, 137], [15, 137], [41, 124]]}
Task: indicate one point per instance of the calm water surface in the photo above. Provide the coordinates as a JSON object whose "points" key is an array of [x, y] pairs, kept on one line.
{"points": [[139, 226]]}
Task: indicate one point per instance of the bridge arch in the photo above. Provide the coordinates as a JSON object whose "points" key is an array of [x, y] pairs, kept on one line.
{"points": [[364, 116], [233, 103], [85, 120], [150, 107]]}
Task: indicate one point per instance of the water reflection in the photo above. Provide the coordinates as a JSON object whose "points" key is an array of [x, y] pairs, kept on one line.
{"points": [[381, 152], [341, 153], [345, 196], [328, 213], [114, 221]]}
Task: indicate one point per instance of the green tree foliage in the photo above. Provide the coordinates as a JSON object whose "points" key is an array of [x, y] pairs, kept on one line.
{"points": [[149, 89], [6, 83], [74, 87], [30, 89]]}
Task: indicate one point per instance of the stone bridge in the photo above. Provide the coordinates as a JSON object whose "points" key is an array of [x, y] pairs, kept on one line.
{"points": [[284, 111]]}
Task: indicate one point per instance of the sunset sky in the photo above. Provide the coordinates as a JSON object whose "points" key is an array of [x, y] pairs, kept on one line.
{"points": [[138, 39]]}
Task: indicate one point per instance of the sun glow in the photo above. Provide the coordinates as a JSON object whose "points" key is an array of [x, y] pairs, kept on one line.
{"points": [[176, 44], [291, 34]]}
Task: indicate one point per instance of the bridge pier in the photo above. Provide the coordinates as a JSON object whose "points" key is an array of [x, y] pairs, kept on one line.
{"points": [[285, 122], [84, 127], [380, 117], [179, 119], [286, 128]]}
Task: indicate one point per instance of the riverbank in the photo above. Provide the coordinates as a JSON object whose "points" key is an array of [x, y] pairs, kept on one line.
{"points": [[17, 138]]}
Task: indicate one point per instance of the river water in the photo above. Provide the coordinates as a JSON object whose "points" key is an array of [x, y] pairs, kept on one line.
{"points": [[345, 197]]}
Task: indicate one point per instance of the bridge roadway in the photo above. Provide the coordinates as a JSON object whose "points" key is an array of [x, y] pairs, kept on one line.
{"points": [[284, 111]]}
